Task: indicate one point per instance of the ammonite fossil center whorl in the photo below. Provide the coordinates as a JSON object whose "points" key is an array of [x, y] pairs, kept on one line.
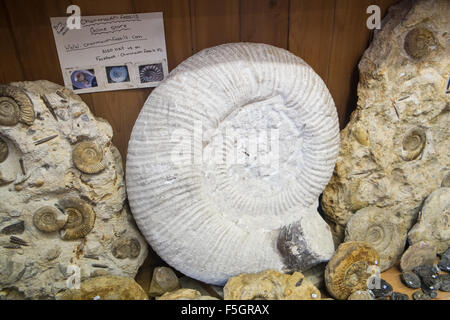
{"points": [[233, 147]]}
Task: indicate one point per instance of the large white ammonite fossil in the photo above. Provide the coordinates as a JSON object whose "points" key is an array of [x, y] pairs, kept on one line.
{"points": [[226, 162]]}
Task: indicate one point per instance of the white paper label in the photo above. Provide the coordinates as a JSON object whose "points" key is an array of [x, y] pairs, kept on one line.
{"points": [[112, 52]]}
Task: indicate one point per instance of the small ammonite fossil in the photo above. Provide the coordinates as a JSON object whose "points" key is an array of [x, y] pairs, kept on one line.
{"points": [[4, 151], [349, 269], [88, 157], [15, 106], [413, 144], [419, 42], [80, 218], [49, 219], [126, 248], [382, 230]]}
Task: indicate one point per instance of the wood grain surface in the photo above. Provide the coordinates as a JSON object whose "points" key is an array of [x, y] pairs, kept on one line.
{"points": [[330, 35]]}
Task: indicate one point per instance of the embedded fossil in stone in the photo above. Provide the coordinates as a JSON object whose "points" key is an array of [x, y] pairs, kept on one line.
{"points": [[381, 229], [15, 106], [4, 151], [126, 248], [49, 219], [80, 218], [350, 268], [15, 228], [403, 108], [270, 285], [87, 157], [446, 181], [413, 144], [420, 253], [433, 224], [419, 42]]}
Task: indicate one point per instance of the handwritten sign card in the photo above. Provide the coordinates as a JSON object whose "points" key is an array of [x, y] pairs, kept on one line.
{"points": [[112, 52]]}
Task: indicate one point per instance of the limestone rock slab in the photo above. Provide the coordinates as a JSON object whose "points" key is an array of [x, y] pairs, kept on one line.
{"points": [[56, 220], [394, 150]]}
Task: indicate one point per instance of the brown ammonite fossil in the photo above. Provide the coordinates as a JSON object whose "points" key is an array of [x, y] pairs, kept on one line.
{"points": [[15, 106], [350, 268], [413, 144], [88, 157], [49, 219], [4, 151], [419, 42], [126, 248], [80, 220]]}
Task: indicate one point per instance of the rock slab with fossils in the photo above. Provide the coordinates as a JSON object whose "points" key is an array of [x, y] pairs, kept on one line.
{"points": [[212, 201], [63, 193], [394, 151]]}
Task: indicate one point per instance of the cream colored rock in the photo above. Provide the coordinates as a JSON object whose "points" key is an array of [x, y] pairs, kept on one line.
{"points": [[362, 295], [40, 173], [393, 152], [270, 285], [226, 159], [164, 280], [181, 294], [385, 232], [420, 253], [433, 224], [106, 288]]}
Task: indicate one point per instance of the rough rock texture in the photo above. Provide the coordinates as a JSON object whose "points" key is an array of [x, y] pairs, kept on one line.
{"points": [[227, 160], [386, 233], [350, 268], [181, 294], [421, 253], [433, 224], [106, 288], [164, 280], [315, 275], [56, 216], [270, 285], [394, 151]]}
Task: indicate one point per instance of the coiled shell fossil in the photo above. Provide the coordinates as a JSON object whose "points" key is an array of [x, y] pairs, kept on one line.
{"points": [[88, 157], [49, 219], [419, 42], [433, 224], [80, 218], [381, 229], [413, 144], [15, 106], [126, 248], [214, 219], [4, 151], [350, 268]]}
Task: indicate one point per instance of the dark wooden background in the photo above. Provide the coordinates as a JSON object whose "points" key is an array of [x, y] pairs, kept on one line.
{"points": [[330, 35]]}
